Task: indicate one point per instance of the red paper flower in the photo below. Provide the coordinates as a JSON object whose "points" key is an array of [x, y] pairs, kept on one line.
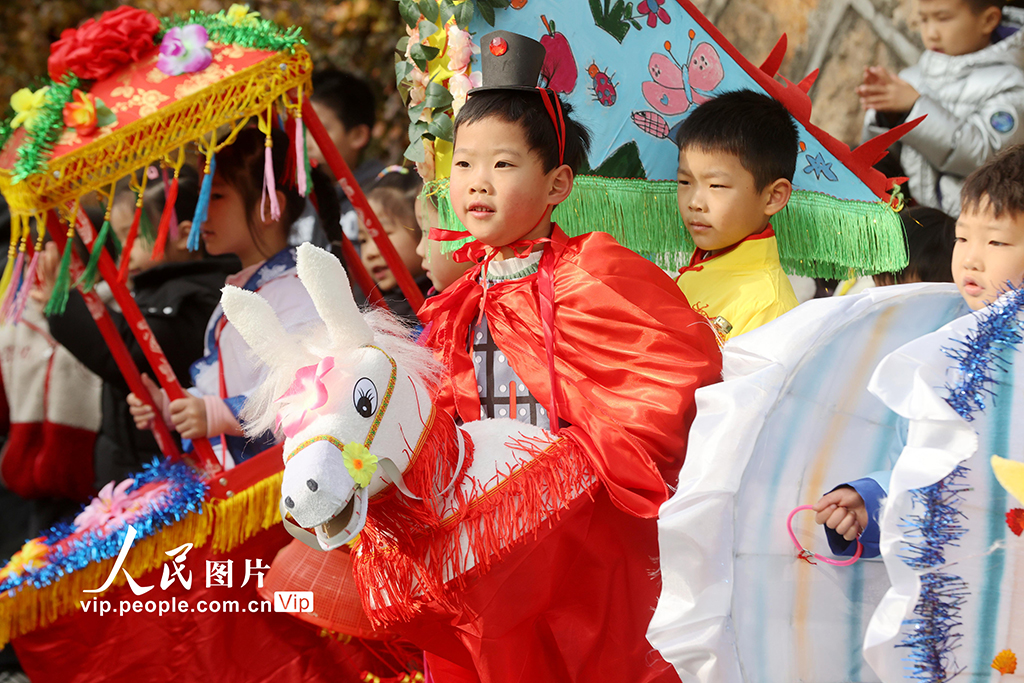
{"points": [[1015, 520], [80, 113], [98, 48]]}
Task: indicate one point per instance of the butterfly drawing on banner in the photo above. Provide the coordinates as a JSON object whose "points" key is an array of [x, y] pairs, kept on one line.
{"points": [[677, 87]]}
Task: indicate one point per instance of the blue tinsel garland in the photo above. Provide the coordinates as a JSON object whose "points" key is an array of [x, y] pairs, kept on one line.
{"points": [[184, 496], [998, 333], [932, 636]]}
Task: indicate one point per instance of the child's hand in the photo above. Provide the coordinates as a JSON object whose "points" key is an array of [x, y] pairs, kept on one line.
{"points": [[46, 271], [842, 510], [189, 417], [142, 412], [885, 91]]}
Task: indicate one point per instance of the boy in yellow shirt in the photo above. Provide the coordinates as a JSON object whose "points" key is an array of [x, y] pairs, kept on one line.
{"points": [[737, 155]]}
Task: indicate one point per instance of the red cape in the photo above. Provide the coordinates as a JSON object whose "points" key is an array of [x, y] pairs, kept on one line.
{"points": [[629, 354]]}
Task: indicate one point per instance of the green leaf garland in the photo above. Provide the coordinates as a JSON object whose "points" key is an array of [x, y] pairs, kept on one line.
{"points": [[49, 125], [257, 34]]}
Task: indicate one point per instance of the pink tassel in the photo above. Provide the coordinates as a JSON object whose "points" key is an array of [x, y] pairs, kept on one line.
{"points": [[28, 283], [269, 186], [7, 306], [300, 160]]}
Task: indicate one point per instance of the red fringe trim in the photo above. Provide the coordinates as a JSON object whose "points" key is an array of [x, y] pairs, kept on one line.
{"points": [[408, 547]]}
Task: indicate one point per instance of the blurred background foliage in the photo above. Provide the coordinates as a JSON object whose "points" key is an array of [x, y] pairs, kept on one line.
{"points": [[356, 35]]}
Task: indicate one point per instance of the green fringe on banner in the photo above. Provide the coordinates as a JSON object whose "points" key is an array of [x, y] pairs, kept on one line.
{"points": [[62, 284], [821, 236], [147, 231], [818, 235], [88, 279]]}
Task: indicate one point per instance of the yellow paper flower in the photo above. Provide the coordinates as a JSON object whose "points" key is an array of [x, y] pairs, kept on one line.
{"points": [[359, 462], [239, 15], [30, 557], [28, 106]]}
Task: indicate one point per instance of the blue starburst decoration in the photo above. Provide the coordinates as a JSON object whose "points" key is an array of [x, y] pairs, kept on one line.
{"points": [[184, 496], [986, 348]]}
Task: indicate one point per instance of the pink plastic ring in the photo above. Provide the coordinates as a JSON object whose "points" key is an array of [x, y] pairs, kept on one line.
{"points": [[807, 554]]}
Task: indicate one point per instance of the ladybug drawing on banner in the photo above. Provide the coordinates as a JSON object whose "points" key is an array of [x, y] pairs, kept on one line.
{"points": [[677, 87], [604, 89]]}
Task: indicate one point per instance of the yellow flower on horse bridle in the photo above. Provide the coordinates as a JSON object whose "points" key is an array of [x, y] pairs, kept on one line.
{"points": [[359, 462]]}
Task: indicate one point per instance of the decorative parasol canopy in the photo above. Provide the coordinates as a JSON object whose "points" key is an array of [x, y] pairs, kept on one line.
{"points": [[632, 73], [253, 66], [127, 91]]}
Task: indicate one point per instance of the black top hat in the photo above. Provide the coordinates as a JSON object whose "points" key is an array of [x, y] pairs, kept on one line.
{"points": [[509, 61]]}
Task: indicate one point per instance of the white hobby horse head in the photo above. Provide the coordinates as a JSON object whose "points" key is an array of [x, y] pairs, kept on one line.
{"points": [[350, 397]]}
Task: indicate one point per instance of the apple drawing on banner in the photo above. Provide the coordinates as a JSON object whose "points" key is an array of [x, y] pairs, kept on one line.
{"points": [[559, 71]]}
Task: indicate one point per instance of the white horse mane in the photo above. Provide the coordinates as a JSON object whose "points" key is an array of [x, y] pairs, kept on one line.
{"points": [[391, 335]]}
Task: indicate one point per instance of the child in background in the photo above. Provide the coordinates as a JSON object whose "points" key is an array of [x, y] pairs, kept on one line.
{"points": [[440, 268], [970, 85], [931, 235], [737, 155], [393, 198], [988, 257], [599, 346], [224, 376], [345, 104]]}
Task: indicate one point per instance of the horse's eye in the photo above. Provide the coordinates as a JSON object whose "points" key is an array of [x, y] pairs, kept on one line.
{"points": [[364, 396]]}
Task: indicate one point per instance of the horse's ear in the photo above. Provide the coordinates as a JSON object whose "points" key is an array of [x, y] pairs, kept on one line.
{"points": [[256, 321], [324, 278]]}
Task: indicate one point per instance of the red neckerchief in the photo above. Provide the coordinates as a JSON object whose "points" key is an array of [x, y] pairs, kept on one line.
{"points": [[700, 257]]}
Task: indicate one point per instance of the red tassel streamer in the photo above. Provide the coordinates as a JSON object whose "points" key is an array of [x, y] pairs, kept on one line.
{"points": [[288, 179], [165, 220], [129, 242], [409, 549]]}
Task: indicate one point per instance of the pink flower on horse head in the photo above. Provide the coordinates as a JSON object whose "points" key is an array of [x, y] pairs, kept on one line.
{"points": [[183, 50], [108, 505], [308, 392], [654, 11]]}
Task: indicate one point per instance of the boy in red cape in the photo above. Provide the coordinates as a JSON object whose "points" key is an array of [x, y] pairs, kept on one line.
{"points": [[579, 336]]}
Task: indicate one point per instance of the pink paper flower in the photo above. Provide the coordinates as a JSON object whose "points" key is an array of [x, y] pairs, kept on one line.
{"points": [[108, 505], [414, 38], [427, 168], [418, 90], [460, 49], [459, 86], [183, 50]]}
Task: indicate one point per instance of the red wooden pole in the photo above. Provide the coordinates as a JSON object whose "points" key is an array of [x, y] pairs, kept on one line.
{"points": [[154, 354], [366, 215], [122, 357]]}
